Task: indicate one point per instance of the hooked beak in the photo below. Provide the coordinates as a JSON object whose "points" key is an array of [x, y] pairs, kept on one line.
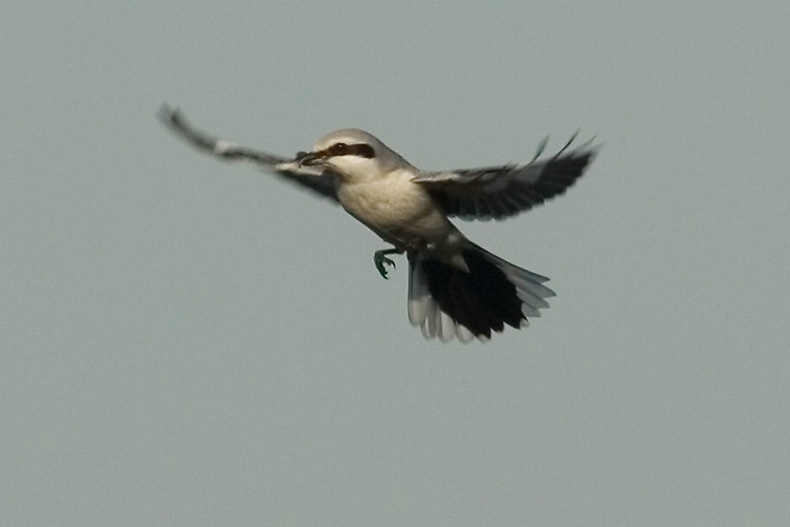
{"points": [[309, 158]]}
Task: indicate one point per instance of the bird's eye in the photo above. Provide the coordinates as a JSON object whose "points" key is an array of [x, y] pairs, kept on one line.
{"points": [[338, 149]]}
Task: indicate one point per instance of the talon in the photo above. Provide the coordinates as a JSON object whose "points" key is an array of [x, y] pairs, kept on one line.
{"points": [[380, 258], [380, 261]]}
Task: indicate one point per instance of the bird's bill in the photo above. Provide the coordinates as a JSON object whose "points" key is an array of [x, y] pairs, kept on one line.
{"points": [[309, 158]]}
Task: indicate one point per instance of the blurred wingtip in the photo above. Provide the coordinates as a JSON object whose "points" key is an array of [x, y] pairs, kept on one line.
{"points": [[170, 115]]}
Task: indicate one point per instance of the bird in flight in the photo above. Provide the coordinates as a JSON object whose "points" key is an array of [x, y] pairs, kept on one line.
{"points": [[456, 288]]}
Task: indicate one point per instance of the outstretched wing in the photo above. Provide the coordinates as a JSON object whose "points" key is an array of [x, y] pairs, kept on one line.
{"points": [[312, 177], [499, 192]]}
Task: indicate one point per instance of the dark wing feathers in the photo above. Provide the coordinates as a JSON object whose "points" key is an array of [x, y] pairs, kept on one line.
{"points": [[499, 192], [484, 193], [310, 177]]}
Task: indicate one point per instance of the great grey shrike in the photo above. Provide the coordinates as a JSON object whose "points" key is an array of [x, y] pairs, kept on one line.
{"points": [[456, 288]]}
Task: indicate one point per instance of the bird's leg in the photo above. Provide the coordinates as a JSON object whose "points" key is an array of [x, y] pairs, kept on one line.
{"points": [[380, 258]]}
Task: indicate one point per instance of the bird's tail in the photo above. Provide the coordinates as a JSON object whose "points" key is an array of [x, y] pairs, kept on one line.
{"points": [[447, 302]]}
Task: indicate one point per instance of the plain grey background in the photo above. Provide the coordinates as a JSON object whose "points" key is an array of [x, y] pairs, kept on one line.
{"points": [[189, 343]]}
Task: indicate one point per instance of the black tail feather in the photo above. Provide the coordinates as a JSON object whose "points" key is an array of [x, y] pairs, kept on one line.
{"points": [[482, 300]]}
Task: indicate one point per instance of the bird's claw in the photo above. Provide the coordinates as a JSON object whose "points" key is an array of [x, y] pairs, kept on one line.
{"points": [[380, 259]]}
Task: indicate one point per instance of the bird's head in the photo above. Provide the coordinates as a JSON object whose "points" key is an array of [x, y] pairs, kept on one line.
{"points": [[354, 155]]}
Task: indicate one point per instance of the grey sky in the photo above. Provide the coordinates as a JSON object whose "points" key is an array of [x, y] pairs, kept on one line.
{"points": [[186, 342]]}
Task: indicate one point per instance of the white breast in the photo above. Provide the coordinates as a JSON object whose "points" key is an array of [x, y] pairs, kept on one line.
{"points": [[396, 208]]}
